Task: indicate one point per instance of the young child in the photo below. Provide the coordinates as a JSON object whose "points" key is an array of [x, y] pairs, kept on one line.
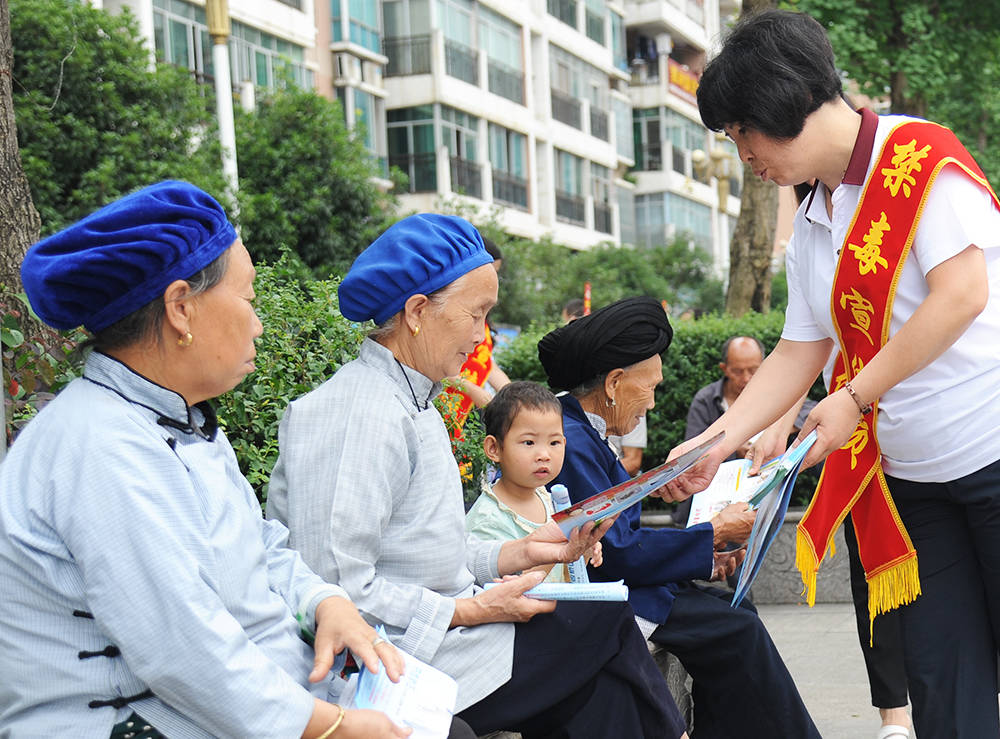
{"points": [[525, 440]]}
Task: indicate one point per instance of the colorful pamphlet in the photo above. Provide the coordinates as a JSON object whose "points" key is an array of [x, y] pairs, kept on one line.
{"points": [[423, 699], [621, 496], [771, 506], [617, 591]]}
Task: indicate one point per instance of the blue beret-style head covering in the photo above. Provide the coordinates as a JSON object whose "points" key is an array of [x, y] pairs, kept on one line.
{"points": [[118, 259], [418, 255]]}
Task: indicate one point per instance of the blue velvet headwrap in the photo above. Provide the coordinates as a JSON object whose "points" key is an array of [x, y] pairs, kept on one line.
{"points": [[116, 260], [418, 255]]}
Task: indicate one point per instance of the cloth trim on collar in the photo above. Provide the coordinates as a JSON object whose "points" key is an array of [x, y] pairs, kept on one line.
{"points": [[857, 168], [173, 411]]}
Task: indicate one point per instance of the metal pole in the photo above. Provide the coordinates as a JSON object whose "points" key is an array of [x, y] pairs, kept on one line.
{"points": [[217, 15]]}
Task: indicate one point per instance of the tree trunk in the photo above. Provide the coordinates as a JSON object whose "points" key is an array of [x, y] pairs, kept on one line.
{"points": [[752, 246], [753, 238], [19, 221]]}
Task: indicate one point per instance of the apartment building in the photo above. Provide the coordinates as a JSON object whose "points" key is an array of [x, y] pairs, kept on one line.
{"points": [[688, 180], [571, 118]]}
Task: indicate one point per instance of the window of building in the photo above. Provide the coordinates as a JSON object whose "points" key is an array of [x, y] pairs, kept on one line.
{"points": [[407, 42], [570, 203], [600, 183], [460, 134], [507, 155], [663, 216], [364, 24], [564, 10], [623, 128], [685, 136], [364, 117], [457, 21], [572, 79], [646, 129], [594, 12], [410, 134], [618, 46], [501, 39], [180, 35]]}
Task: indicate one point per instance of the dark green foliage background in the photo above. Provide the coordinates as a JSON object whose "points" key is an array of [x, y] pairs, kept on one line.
{"points": [[94, 120]]}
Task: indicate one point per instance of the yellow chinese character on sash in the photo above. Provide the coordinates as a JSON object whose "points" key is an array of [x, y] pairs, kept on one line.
{"points": [[857, 442], [857, 364], [869, 255], [905, 160], [861, 311]]}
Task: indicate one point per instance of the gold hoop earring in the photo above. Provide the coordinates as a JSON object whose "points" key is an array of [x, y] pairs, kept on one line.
{"points": [[414, 331], [186, 339]]}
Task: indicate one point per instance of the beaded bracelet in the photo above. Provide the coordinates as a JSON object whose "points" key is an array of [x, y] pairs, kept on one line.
{"points": [[336, 724]]}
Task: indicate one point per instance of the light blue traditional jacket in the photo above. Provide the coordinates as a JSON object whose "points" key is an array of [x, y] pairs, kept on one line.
{"points": [[133, 558]]}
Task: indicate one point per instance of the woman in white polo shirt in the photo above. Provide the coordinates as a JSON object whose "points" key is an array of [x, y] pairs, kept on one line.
{"points": [[892, 262]]}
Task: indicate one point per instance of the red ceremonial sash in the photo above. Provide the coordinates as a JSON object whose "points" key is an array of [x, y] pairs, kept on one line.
{"points": [[864, 288], [475, 370]]}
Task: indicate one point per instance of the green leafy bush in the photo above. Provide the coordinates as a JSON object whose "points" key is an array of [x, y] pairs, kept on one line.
{"points": [[305, 341], [689, 364]]}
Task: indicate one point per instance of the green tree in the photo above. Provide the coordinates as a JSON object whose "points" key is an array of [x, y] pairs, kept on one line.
{"points": [[307, 182], [95, 119], [936, 59]]}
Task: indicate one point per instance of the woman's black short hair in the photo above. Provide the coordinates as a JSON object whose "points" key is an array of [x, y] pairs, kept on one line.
{"points": [[775, 68], [500, 412]]}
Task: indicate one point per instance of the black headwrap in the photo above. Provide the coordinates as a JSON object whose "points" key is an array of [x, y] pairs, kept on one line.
{"points": [[617, 335]]}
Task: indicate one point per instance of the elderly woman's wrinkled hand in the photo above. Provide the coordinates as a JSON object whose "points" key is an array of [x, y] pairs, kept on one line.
{"points": [[695, 479], [733, 524], [339, 626], [547, 544], [504, 603], [727, 562], [367, 724]]}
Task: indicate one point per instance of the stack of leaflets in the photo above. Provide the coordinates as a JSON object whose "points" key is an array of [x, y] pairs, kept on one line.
{"points": [[767, 492], [423, 699], [618, 498], [575, 591]]}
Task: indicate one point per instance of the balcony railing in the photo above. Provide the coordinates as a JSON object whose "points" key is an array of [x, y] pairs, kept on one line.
{"points": [[602, 217], [506, 82], [566, 109], [461, 62], [510, 189], [420, 168], [599, 123], [570, 208], [407, 55], [649, 158], [466, 177]]}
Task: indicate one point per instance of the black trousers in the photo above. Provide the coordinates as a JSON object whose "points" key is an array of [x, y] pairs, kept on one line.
{"points": [[583, 671], [742, 689], [881, 642], [951, 631]]}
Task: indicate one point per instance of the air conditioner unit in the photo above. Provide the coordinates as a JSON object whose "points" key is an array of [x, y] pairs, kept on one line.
{"points": [[348, 68]]}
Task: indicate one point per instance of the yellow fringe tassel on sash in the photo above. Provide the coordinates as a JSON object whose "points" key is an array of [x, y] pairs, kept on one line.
{"points": [[891, 588]]}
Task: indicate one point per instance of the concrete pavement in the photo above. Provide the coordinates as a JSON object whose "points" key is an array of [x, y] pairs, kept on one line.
{"points": [[820, 647]]}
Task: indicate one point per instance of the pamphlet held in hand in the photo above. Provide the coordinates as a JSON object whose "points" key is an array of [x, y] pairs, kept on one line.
{"points": [[618, 498]]}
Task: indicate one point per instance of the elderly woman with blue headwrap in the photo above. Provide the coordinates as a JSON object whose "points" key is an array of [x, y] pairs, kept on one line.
{"points": [[143, 594], [371, 493]]}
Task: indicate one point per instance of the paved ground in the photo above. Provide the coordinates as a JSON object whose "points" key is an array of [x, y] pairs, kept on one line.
{"points": [[820, 647]]}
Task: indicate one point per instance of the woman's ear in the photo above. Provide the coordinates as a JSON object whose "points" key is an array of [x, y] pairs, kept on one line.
{"points": [[414, 311], [612, 381], [178, 306], [492, 448]]}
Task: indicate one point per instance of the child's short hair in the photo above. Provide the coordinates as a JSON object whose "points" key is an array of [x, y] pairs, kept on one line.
{"points": [[499, 413]]}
